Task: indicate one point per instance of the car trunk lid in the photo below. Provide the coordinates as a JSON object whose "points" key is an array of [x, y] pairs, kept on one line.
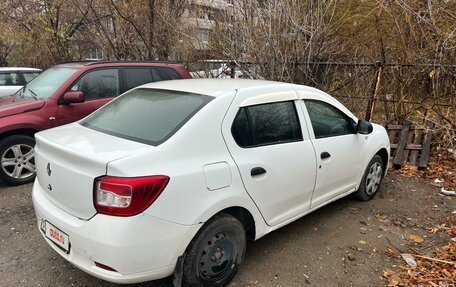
{"points": [[69, 158]]}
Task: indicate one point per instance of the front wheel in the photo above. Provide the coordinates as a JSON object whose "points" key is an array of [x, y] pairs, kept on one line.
{"points": [[372, 178], [214, 255], [17, 159]]}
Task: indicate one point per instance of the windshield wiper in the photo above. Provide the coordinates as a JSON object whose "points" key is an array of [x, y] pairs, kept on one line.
{"points": [[34, 95], [18, 91]]}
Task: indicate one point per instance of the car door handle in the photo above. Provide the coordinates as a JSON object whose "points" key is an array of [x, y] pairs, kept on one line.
{"points": [[257, 171], [325, 154]]}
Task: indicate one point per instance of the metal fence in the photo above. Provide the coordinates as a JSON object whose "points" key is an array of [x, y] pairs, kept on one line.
{"points": [[383, 92]]}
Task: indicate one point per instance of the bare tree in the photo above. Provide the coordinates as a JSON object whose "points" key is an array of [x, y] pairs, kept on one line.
{"points": [[49, 24], [135, 29]]}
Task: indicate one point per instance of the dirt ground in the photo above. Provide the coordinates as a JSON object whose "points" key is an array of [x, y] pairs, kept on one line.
{"points": [[342, 244]]}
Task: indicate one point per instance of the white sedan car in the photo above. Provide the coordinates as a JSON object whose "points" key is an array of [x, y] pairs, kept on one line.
{"points": [[174, 177], [13, 79]]}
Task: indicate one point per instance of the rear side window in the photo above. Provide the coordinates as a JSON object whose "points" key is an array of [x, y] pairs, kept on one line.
{"points": [[266, 124], [9, 79], [241, 129], [156, 74], [137, 76], [168, 73], [146, 115]]}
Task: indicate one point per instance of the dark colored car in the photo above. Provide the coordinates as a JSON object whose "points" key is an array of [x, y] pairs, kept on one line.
{"points": [[63, 94]]}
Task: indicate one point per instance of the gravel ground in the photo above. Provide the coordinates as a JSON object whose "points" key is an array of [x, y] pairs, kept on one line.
{"points": [[342, 244]]}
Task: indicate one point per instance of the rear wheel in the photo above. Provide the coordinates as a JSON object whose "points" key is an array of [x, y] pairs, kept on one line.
{"points": [[17, 159], [214, 255], [372, 178]]}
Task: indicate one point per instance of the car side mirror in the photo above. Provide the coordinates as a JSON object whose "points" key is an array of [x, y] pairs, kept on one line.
{"points": [[364, 127], [73, 98]]}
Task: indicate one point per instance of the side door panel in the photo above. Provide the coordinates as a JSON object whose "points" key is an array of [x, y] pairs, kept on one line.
{"points": [[338, 173], [284, 191], [74, 112]]}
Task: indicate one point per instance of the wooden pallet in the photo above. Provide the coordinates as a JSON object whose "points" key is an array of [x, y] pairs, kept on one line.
{"points": [[410, 144]]}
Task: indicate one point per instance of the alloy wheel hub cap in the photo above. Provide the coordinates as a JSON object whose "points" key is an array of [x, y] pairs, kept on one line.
{"points": [[18, 161], [373, 178]]}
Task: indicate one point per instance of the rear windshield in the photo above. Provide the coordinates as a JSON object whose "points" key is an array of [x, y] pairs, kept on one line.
{"points": [[146, 115]]}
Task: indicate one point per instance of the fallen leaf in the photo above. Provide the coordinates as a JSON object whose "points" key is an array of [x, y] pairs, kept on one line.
{"points": [[355, 210], [383, 227], [453, 230], [393, 281], [447, 273], [390, 251], [429, 271], [432, 230], [409, 259], [416, 238]]}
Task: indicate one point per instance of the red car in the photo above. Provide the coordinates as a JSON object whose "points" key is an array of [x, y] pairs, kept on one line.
{"points": [[63, 94]]}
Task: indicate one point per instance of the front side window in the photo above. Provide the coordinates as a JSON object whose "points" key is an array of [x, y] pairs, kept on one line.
{"points": [[9, 79], [146, 115], [327, 120], [266, 124], [98, 84]]}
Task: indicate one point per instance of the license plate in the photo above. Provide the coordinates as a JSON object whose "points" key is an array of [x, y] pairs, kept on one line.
{"points": [[60, 238]]}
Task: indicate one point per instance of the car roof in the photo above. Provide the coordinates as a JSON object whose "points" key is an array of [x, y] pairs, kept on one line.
{"points": [[96, 64], [217, 87], [7, 69]]}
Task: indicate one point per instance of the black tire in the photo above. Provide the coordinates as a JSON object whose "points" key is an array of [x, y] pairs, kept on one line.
{"points": [[27, 174], [215, 253], [364, 192]]}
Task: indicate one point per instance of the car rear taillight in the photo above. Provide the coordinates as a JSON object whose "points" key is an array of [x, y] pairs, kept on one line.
{"points": [[127, 196]]}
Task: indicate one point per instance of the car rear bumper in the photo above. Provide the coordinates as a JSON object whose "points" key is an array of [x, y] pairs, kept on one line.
{"points": [[139, 248]]}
